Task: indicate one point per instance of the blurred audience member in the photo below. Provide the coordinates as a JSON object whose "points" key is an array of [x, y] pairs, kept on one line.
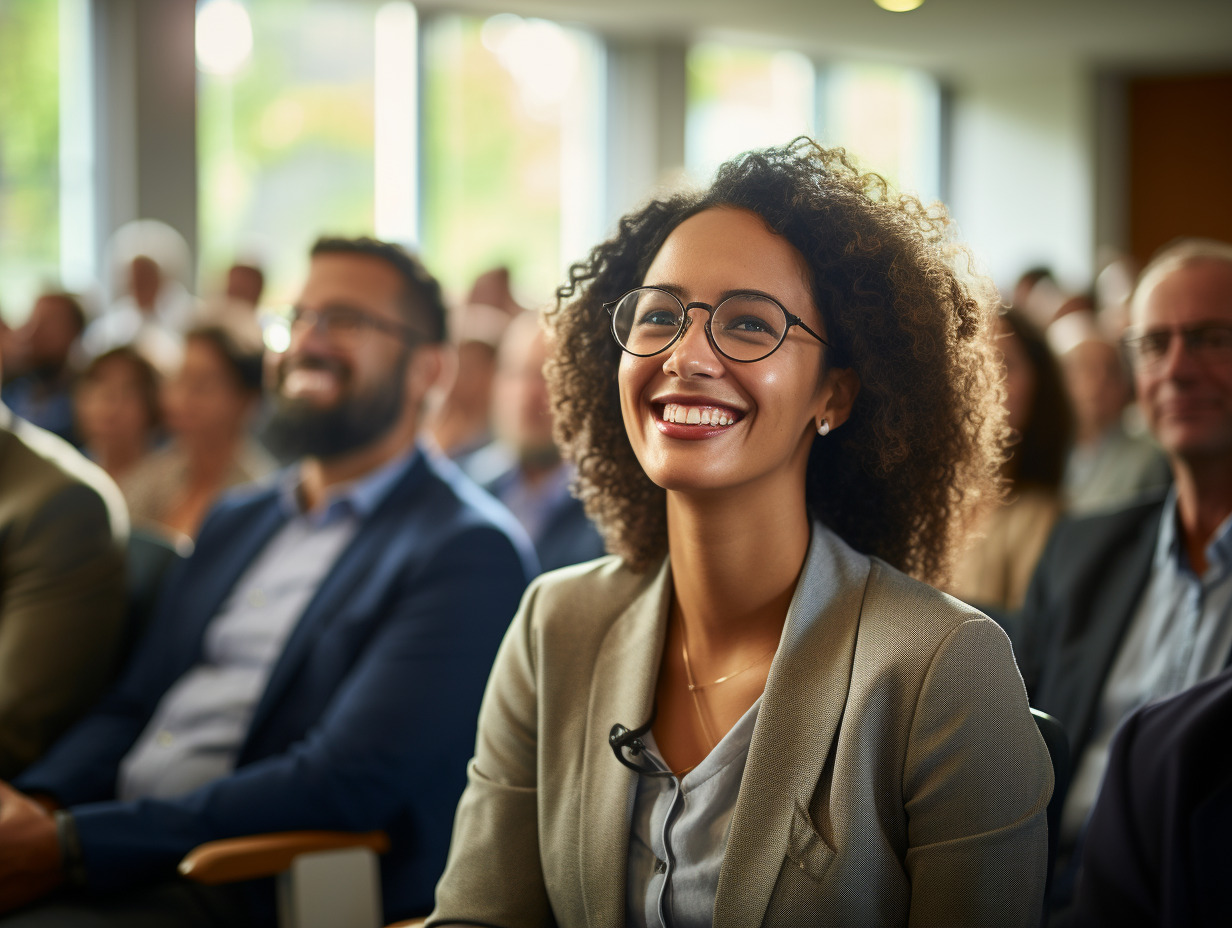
{"points": [[1114, 285], [1156, 852], [463, 423], [117, 410], [317, 663], [208, 407], [238, 301], [154, 307], [996, 568], [62, 606], [1136, 604], [1106, 466], [245, 284], [39, 364], [523, 467]]}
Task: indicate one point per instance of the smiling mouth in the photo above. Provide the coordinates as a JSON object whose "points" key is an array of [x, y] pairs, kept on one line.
{"points": [[699, 415]]}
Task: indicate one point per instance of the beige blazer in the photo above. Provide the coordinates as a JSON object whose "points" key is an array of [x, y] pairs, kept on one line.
{"points": [[895, 774]]}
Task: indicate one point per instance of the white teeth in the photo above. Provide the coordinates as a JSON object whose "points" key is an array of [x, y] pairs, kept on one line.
{"points": [[695, 415]]}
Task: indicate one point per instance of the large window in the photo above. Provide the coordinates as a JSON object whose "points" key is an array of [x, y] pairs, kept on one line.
{"points": [[742, 98], [511, 174], [285, 131], [888, 118], [29, 152]]}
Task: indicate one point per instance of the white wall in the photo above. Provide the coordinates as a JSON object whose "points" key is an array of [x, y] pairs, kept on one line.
{"points": [[1022, 181]]}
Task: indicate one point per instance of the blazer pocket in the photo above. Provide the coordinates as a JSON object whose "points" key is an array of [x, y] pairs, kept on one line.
{"points": [[805, 847]]}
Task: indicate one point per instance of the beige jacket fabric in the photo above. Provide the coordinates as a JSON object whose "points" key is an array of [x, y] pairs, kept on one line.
{"points": [[895, 775], [62, 588]]}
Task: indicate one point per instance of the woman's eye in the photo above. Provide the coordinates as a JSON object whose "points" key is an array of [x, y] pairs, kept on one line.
{"points": [[659, 317], [748, 324]]}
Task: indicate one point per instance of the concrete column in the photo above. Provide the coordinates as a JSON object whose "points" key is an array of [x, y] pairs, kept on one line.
{"points": [[146, 101], [646, 109]]}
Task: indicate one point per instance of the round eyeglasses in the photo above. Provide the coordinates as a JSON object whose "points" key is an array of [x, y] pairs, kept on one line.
{"points": [[743, 326]]}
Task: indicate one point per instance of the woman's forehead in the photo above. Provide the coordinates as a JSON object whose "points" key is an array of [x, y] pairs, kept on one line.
{"points": [[722, 249]]}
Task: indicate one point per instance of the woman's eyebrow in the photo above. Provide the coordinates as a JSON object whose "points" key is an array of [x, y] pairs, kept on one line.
{"points": [[683, 294]]}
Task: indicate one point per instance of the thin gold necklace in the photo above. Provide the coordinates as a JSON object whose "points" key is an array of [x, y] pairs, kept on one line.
{"points": [[695, 687]]}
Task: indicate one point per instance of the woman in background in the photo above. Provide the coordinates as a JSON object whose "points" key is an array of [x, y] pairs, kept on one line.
{"points": [[209, 407], [996, 568], [116, 407], [780, 401]]}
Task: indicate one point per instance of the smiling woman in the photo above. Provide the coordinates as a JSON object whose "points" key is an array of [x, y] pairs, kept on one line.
{"points": [[780, 400]]}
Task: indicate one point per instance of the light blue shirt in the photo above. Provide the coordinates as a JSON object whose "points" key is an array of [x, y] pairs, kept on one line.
{"points": [[679, 833], [1181, 634], [200, 724]]}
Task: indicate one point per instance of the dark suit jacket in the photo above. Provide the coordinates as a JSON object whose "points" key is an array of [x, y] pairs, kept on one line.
{"points": [[1078, 608], [567, 537], [62, 528], [1157, 851], [369, 714]]}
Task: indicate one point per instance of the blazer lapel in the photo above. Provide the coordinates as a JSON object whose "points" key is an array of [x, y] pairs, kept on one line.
{"points": [[359, 561], [1084, 660], [801, 708], [622, 690], [213, 583]]}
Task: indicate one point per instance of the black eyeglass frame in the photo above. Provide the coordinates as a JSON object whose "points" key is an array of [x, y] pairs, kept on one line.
{"points": [[1136, 339], [686, 319], [312, 318]]}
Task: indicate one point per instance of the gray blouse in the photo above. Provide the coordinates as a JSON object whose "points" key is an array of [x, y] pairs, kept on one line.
{"points": [[679, 833]]}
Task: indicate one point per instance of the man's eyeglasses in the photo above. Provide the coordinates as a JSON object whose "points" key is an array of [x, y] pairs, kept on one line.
{"points": [[341, 324], [1209, 343], [744, 326]]}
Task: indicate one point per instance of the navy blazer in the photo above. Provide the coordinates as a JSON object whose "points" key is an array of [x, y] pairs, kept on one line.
{"points": [[1157, 851], [368, 718], [1078, 608]]}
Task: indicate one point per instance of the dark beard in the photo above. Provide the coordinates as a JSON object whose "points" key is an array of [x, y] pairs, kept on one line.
{"points": [[299, 429]]}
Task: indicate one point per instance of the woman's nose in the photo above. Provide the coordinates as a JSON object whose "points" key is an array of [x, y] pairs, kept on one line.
{"points": [[692, 354]]}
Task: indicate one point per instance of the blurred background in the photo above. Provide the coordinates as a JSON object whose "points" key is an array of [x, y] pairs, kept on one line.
{"points": [[513, 133]]}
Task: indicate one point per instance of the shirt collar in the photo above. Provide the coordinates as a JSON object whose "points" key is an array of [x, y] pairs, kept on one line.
{"points": [[1170, 552], [357, 498]]}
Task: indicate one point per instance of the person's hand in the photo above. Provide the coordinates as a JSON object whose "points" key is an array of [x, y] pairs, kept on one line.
{"points": [[30, 865]]}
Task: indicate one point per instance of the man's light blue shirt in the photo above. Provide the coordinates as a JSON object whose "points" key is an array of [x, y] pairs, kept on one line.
{"points": [[1181, 634], [200, 724]]}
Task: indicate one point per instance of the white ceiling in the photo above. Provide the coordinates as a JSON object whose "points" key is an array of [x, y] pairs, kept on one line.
{"points": [[946, 36]]}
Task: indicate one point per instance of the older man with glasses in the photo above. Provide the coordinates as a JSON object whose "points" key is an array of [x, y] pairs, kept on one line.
{"points": [[319, 660], [1134, 605]]}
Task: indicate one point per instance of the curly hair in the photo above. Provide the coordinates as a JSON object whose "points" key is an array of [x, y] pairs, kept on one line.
{"points": [[921, 453]]}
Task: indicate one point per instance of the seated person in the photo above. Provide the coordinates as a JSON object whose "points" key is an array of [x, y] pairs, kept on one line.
{"points": [[523, 467], [1108, 466], [39, 364], [209, 405], [62, 606], [117, 410], [750, 714], [316, 664], [1134, 604], [1156, 852], [994, 570]]}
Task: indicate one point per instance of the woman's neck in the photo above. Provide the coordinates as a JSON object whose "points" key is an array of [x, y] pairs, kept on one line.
{"points": [[735, 565], [210, 461]]}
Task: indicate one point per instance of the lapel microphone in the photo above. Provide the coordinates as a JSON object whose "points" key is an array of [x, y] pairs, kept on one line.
{"points": [[623, 739]]}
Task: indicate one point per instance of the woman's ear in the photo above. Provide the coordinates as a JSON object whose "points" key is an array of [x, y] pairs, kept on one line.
{"points": [[838, 394]]}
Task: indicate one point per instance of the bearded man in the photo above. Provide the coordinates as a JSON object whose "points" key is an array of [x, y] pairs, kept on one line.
{"points": [[319, 660]]}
